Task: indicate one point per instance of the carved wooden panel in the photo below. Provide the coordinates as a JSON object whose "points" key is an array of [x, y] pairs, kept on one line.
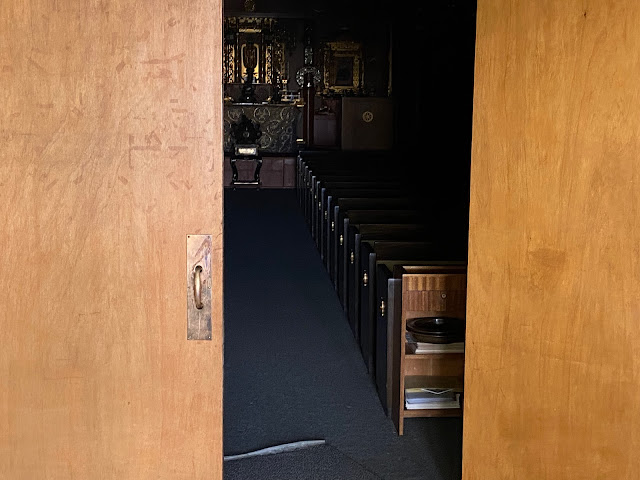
{"points": [[278, 124]]}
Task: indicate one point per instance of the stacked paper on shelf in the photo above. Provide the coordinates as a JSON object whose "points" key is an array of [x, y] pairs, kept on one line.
{"points": [[424, 347], [430, 398]]}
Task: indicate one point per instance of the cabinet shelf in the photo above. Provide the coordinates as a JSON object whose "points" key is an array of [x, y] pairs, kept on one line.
{"points": [[408, 351], [436, 412], [428, 370], [434, 364], [435, 381]]}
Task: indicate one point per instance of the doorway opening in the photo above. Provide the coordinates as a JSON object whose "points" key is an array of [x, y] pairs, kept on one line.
{"points": [[346, 91]]}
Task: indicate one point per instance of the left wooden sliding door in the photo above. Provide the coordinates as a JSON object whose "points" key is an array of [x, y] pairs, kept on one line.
{"points": [[110, 155]]}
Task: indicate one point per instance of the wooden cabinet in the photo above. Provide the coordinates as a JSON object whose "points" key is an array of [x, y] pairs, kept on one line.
{"points": [[431, 293], [367, 123]]}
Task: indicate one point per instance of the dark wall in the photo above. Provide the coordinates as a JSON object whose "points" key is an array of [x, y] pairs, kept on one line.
{"points": [[433, 63]]}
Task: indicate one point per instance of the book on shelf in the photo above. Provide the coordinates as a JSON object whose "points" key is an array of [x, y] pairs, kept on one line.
{"points": [[425, 347], [433, 405], [431, 398]]}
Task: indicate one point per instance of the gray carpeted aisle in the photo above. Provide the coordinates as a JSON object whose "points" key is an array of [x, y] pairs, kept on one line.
{"points": [[292, 368]]}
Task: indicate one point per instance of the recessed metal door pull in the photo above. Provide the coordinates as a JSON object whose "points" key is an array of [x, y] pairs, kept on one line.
{"points": [[197, 287], [365, 279]]}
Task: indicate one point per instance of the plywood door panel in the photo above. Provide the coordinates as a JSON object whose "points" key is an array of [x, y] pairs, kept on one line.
{"points": [[552, 367], [110, 154]]}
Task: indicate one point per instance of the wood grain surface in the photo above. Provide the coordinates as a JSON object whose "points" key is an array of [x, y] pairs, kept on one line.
{"points": [[552, 367], [110, 154]]}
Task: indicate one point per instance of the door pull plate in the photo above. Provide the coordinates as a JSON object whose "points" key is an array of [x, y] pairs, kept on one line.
{"points": [[199, 287]]}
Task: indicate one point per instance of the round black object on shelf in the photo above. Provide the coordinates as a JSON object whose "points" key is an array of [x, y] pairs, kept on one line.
{"points": [[437, 329]]}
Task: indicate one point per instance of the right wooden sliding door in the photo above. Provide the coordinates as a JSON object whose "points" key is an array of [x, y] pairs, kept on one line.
{"points": [[552, 365]]}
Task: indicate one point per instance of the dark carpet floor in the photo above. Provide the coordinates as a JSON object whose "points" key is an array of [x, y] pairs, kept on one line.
{"points": [[324, 462], [292, 368]]}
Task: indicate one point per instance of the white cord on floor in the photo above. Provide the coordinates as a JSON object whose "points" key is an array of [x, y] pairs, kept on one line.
{"points": [[285, 447]]}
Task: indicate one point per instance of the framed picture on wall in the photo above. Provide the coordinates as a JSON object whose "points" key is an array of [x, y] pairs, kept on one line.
{"points": [[342, 66]]}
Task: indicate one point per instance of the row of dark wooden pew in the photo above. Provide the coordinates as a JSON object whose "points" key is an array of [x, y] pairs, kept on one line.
{"points": [[367, 221]]}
